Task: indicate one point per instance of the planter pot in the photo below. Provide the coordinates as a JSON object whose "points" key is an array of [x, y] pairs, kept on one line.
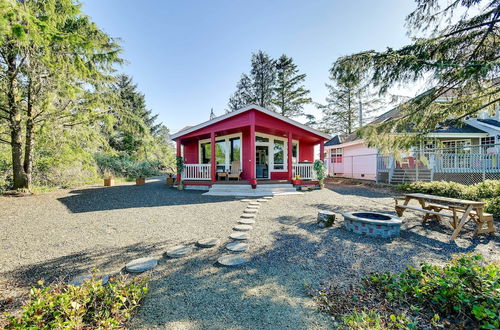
{"points": [[253, 182], [109, 182], [170, 181], [297, 182], [140, 181]]}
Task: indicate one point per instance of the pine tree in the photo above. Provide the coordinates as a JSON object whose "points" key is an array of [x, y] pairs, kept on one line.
{"points": [[244, 94], [263, 76], [212, 114], [290, 95], [459, 58]]}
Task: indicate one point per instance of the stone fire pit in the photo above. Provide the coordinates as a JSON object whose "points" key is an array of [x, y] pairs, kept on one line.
{"points": [[372, 224]]}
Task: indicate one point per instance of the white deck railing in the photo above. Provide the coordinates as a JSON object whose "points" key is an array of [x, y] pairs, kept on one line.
{"points": [[196, 172], [463, 163], [305, 171]]}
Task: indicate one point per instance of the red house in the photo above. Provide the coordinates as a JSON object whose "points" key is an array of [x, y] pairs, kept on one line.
{"points": [[260, 143]]}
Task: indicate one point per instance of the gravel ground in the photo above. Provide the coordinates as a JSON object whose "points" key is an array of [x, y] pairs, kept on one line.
{"points": [[66, 233]]}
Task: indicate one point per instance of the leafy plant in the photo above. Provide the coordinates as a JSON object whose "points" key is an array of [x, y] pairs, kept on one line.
{"points": [[180, 164], [320, 170], [493, 206], [88, 306], [461, 294]]}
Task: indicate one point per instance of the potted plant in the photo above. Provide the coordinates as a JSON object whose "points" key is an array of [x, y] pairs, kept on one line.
{"points": [[180, 167], [108, 178], [253, 182], [170, 179], [139, 172], [319, 168], [296, 181]]}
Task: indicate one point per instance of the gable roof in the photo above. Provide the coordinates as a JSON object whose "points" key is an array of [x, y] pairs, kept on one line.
{"points": [[491, 122], [191, 129]]}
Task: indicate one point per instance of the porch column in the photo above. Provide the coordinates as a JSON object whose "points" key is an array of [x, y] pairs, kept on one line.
{"points": [[290, 146], [322, 151], [252, 152], [178, 154], [213, 164]]}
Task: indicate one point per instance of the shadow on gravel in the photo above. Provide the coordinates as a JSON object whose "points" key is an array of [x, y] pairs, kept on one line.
{"points": [[358, 191], [153, 193]]}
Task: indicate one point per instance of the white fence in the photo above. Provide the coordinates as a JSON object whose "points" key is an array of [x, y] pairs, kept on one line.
{"points": [[196, 172], [305, 171]]}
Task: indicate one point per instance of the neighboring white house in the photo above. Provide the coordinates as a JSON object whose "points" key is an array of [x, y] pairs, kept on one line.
{"points": [[472, 148]]}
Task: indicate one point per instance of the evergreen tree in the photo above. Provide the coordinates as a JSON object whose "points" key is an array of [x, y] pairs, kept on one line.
{"points": [[40, 82], [212, 114], [258, 87], [460, 58], [263, 76], [290, 95]]}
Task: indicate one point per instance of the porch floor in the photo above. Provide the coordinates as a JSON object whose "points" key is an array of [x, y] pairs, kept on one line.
{"points": [[259, 182]]}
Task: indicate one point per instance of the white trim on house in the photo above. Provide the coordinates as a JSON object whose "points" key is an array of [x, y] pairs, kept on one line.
{"points": [[247, 108], [457, 135], [226, 139]]}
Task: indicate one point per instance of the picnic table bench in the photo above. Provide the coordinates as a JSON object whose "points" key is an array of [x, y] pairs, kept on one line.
{"points": [[433, 207]]}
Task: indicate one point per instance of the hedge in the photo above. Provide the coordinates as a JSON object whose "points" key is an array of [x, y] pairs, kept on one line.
{"points": [[488, 191]]}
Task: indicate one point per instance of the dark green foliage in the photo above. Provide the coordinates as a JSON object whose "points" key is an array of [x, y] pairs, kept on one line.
{"points": [[290, 95], [456, 53], [122, 165], [488, 191], [319, 168], [179, 164], [273, 84], [88, 306], [461, 294]]}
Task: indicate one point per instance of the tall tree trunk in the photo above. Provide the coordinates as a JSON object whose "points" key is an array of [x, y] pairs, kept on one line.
{"points": [[30, 137], [16, 140]]}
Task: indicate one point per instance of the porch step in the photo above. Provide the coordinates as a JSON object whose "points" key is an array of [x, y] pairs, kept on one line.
{"points": [[410, 175], [246, 190]]}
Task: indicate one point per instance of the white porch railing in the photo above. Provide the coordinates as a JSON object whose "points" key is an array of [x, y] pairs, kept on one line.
{"points": [[463, 163], [196, 172], [305, 171]]}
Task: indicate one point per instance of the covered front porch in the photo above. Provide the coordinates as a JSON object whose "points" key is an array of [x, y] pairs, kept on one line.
{"points": [[253, 146]]}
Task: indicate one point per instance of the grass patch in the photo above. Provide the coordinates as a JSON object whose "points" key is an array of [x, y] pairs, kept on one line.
{"points": [[465, 293]]}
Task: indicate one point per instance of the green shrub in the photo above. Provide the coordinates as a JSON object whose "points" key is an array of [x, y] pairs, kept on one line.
{"points": [[493, 206], [461, 294], [122, 165], [88, 306], [487, 189]]}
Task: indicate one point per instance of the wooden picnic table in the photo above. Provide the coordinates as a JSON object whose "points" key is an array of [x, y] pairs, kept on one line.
{"points": [[433, 206]]}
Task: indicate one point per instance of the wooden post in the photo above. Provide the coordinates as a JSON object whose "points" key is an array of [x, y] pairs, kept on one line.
{"points": [[322, 151], [290, 148], [213, 163], [252, 152], [178, 154]]}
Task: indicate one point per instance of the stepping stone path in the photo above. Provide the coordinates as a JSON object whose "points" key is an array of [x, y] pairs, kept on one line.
{"points": [[254, 203], [141, 265], [240, 236], [246, 221], [246, 200], [243, 227], [232, 260], [237, 247], [208, 242], [268, 197], [250, 211], [81, 279], [255, 207], [179, 251], [248, 216], [263, 200]]}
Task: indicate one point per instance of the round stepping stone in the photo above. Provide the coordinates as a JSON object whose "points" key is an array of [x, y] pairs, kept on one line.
{"points": [[208, 242], [232, 260], [81, 279], [243, 227], [250, 211], [248, 216], [246, 200], [247, 221], [254, 203], [255, 207], [240, 236], [179, 251], [237, 247], [263, 200], [141, 265], [268, 197]]}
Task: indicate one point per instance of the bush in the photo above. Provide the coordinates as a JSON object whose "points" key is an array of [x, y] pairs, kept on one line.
{"points": [[461, 294], [488, 191], [91, 305], [493, 206], [122, 165]]}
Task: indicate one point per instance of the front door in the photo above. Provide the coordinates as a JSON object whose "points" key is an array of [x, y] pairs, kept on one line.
{"points": [[262, 162]]}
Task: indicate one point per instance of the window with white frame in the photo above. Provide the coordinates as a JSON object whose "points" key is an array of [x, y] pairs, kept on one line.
{"points": [[227, 150], [336, 155], [279, 154], [295, 152], [457, 146], [487, 140]]}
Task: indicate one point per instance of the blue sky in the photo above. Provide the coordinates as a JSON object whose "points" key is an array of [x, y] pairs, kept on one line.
{"points": [[186, 56]]}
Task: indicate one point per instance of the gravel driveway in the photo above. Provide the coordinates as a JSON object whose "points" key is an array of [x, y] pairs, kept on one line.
{"points": [[66, 233]]}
